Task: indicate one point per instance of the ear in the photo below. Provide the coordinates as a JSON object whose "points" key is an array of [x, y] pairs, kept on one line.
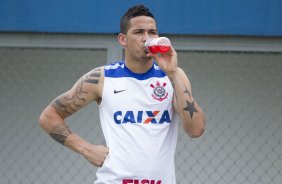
{"points": [[122, 39]]}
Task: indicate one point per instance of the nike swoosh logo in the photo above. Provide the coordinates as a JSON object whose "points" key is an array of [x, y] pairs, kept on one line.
{"points": [[118, 91]]}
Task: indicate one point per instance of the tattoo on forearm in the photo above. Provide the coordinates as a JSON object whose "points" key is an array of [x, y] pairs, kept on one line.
{"points": [[187, 91], [190, 108], [60, 133], [176, 97]]}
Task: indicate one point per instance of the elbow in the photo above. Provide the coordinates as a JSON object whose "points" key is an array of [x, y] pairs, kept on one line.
{"points": [[196, 133], [42, 120], [197, 130], [47, 118]]}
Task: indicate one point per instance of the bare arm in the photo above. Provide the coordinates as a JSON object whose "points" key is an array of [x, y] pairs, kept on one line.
{"points": [[52, 119], [191, 115]]}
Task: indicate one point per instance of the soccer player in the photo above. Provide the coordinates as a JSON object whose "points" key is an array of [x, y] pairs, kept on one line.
{"points": [[139, 101]]}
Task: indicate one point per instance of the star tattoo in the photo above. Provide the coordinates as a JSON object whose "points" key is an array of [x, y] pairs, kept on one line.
{"points": [[191, 108]]}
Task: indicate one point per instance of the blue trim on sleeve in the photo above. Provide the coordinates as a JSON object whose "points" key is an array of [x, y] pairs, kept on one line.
{"points": [[118, 69]]}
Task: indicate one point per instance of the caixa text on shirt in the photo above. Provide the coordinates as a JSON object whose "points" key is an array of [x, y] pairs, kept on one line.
{"points": [[144, 181], [146, 117]]}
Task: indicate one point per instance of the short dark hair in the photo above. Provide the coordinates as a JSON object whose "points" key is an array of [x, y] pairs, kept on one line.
{"points": [[135, 11]]}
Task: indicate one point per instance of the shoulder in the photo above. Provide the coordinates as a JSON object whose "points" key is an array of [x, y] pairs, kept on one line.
{"points": [[114, 65], [114, 69], [94, 76], [92, 82]]}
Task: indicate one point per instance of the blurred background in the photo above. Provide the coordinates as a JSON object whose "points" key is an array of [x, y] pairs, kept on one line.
{"points": [[231, 51]]}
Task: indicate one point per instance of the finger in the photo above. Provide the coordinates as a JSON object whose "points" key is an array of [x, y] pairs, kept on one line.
{"points": [[151, 55]]}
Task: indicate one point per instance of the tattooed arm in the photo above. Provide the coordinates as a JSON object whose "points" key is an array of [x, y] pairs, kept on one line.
{"points": [[191, 114], [87, 89]]}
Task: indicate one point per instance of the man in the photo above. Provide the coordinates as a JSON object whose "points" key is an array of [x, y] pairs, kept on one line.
{"points": [[138, 100]]}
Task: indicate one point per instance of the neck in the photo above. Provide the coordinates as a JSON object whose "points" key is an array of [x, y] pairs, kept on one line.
{"points": [[139, 66]]}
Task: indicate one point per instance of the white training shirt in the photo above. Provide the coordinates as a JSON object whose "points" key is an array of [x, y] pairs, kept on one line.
{"points": [[139, 126]]}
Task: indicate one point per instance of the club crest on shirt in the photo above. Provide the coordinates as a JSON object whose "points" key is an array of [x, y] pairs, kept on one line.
{"points": [[159, 91]]}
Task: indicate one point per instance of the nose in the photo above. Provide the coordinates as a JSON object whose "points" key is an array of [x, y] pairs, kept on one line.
{"points": [[146, 36]]}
